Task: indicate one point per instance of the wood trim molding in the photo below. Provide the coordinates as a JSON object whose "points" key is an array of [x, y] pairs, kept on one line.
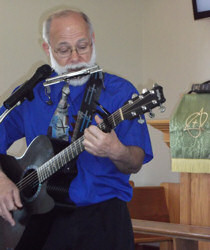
{"points": [[163, 126]]}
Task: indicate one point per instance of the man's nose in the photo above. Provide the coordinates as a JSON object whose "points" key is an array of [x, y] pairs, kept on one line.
{"points": [[74, 56]]}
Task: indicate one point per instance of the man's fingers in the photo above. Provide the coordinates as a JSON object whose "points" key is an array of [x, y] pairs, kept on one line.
{"points": [[17, 201], [98, 119], [7, 215]]}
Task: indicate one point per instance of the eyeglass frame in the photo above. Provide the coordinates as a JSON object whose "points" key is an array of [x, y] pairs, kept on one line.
{"points": [[75, 48]]}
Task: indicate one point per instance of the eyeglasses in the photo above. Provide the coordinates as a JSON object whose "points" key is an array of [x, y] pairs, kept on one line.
{"points": [[66, 51]]}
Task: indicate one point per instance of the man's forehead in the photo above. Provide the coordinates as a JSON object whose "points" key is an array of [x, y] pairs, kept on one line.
{"points": [[79, 41], [71, 26], [69, 21]]}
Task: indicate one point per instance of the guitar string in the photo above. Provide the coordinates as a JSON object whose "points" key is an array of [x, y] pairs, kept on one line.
{"points": [[34, 175], [29, 179]]}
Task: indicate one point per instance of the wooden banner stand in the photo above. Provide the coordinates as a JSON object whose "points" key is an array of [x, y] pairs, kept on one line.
{"points": [[194, 192]]}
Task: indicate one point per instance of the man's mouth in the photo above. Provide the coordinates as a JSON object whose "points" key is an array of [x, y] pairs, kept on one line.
{"points": [[70, 70], [77, 70]]}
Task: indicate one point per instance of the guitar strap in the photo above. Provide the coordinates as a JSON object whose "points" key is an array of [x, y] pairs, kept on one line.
{"points": [[58, 185], [89, 104]]}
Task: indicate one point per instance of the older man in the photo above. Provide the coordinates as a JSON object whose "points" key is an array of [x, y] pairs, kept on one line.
{"points": [[99, 218]]}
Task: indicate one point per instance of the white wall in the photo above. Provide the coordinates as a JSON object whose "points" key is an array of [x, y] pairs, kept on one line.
{"points": [[145, 41], [176, 54]]}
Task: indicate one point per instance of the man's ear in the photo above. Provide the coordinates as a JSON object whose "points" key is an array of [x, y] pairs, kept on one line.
{"points": [[45, 47], [93, 37]]}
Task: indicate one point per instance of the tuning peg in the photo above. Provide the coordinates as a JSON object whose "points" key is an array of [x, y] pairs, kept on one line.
{"points": [[162, 108], [141, 120], [151, 114], [144, 91], [134, 95]]}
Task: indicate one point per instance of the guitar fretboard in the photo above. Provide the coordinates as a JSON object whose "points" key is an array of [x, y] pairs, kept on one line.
{"points": [[73, 150]]}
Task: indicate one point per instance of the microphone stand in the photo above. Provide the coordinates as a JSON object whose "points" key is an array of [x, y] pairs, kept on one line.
{"points": [[7, 111]]}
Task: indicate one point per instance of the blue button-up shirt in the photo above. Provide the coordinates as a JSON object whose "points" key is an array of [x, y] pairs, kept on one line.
{"points": [[98, 179]]}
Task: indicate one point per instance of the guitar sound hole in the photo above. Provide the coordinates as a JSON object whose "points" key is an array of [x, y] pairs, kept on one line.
{"points": [[30, 185]]}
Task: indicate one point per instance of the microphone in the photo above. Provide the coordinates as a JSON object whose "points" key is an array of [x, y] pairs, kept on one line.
{"points": [[26, 89]]}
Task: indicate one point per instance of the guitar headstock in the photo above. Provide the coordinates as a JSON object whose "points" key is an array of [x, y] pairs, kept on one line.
{"points": [[144, 103]]}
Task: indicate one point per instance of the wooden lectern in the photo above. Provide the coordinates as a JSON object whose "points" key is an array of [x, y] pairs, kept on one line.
{"points": [[194, 191]]}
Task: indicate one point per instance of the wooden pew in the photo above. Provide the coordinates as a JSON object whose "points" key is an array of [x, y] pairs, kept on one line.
{"points": [[185, 237], [155, 203], [172, 195]]}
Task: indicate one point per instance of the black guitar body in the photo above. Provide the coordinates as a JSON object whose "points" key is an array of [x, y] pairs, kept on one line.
{"points": [[35, 197]]}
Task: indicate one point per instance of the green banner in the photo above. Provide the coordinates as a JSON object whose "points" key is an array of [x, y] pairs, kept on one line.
{"points": [[190, 134]]}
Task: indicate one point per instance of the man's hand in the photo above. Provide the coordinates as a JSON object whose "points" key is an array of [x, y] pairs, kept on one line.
{"points": [[128, 159], [99, 143], [9, 198]]}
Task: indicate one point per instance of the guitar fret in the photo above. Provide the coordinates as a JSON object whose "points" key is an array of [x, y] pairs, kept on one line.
{"points": [[72, 153], [56, 162], [41, 174], [62, 160], [121, 114], [59, 161], [74, 149], [113, 119], [48, 172], [45, 173], [81, 146], [67, 156]]}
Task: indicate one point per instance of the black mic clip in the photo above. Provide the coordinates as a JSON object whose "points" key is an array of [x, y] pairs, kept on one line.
{"points": [[25, 91]]}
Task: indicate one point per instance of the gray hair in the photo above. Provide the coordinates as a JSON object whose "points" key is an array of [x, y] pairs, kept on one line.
{"points": [[63, 13]]}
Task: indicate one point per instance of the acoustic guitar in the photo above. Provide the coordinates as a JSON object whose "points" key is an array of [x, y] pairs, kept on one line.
{"points": [[32, 171]]}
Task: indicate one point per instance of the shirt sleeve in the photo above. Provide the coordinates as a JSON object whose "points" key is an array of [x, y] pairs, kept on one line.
{"points": [[130, 132], [11, 129], [133, 133]]}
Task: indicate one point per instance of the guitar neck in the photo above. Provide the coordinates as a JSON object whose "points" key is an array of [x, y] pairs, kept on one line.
{"points": [[73, 150], [112, 121]]}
